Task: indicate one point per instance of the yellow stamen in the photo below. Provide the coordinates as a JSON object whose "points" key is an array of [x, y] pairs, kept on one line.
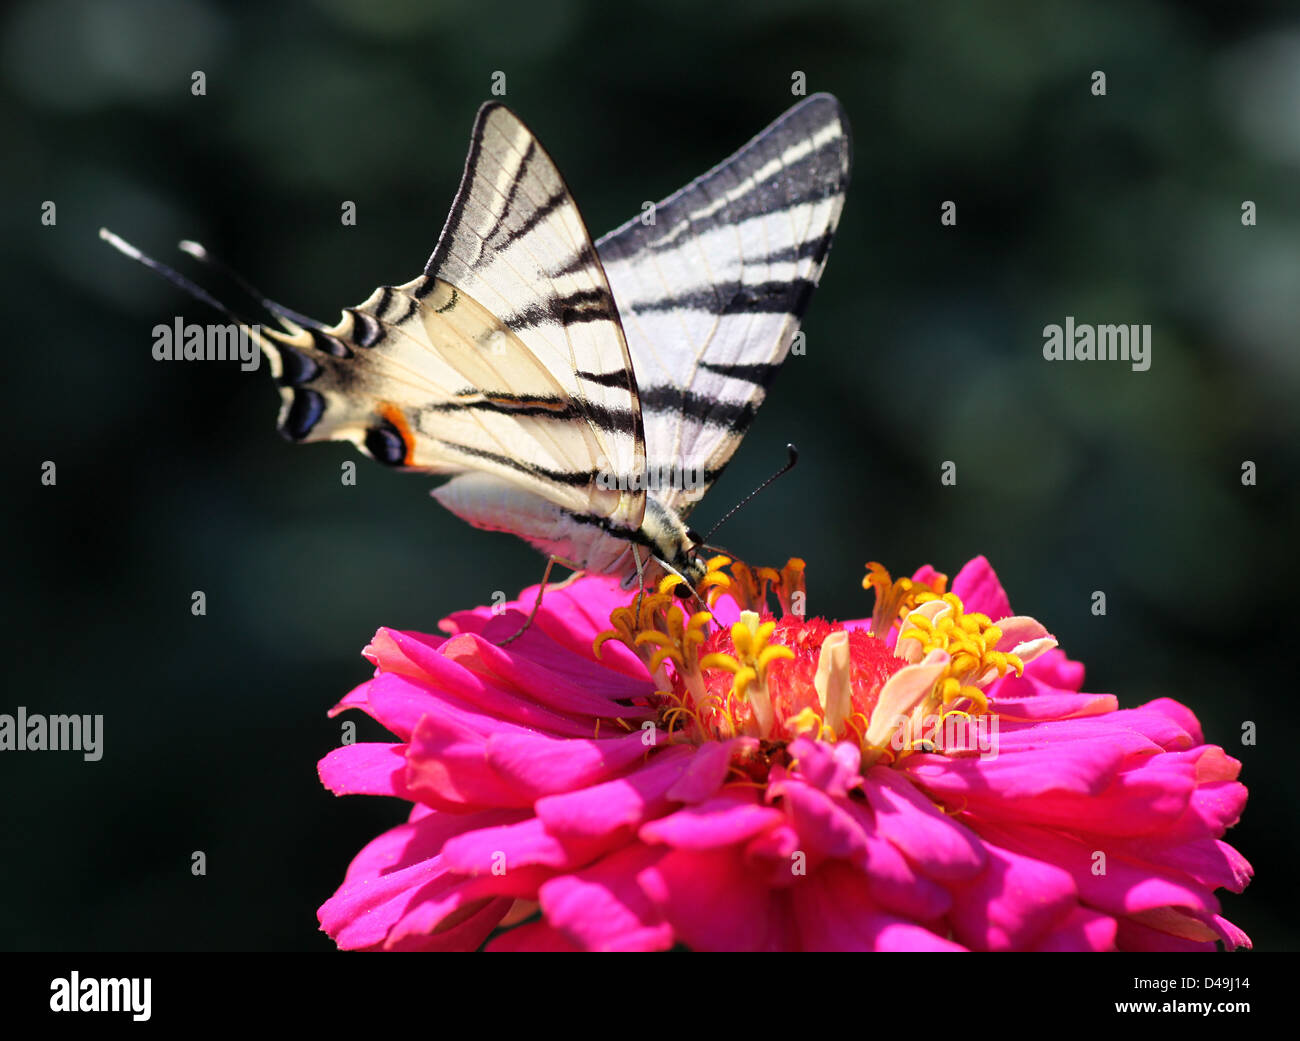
{"points": [[941, 623], [792, 589], [895, 598], [806, 722], [754, 655]]}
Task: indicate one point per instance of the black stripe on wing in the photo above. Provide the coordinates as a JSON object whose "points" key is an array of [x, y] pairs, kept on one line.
{"points": [[575, 478], [780, 297], [445, 240], [588, 305], [515, 182], [758, 373], [612, 378], [535, 218], [735, 416], [610, 420], [821, 173]]}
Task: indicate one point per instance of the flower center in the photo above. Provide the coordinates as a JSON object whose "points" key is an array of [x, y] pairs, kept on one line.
{"points": [[781, 678]]}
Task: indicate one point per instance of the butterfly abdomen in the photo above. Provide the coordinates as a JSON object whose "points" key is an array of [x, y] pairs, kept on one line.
{"points": [[591, 541]]}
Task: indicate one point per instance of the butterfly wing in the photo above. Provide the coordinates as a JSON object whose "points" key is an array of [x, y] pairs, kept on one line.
{"points": [[711, 294], [506, 356]]}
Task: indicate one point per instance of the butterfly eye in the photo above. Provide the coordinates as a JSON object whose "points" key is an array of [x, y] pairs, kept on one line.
{"points": [[695, 537], [682, 591]]}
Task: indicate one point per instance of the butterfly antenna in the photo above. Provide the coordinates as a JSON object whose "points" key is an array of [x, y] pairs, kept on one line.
{"points": [[794, 458], [200, 253], [174, 277]]}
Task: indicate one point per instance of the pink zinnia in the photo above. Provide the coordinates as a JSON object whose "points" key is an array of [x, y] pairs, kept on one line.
{"points": [[928, 779]]}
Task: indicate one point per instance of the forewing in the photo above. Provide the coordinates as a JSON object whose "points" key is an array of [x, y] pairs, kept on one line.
{"points": [[516, 243], [711, 294]]}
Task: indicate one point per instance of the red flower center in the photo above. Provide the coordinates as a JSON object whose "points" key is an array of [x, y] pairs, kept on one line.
{"points": [[791, 681]]}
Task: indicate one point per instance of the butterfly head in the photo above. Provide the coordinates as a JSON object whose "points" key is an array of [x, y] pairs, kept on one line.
{"points": [[691, 564], [679, 549]]}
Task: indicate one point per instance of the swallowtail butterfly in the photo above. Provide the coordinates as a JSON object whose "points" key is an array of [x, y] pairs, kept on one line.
{"points": [[583, 396]]}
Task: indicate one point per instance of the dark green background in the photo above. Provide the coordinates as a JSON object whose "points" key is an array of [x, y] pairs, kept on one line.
{"points": [[923, 345]]}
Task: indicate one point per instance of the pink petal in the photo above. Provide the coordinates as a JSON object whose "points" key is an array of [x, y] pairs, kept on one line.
{"points": [[1012, 905], [1024, 698], [570, 617], [439, 919], [1212, 862], [1083, 930], [1128, 886], [834, 913], [713, 903], [831, 767], [926, 575], [450, 682], [940, 847], [357, 697], [705, 773], [467, 933], [891, 882], [447, 767], [360, 914], [1054, 669], [825, 828], [419, 839], [1232, 936], [978, 588], [533, 936], [367, 768], [1133, 936], [595, 694], [723, 821], [401, 703], [537, 765], [617, 805], [602, 907], [1078, 768], [773, 849], [525, 844]]}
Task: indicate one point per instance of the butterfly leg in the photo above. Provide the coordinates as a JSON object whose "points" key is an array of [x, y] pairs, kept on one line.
{"points": [[692, 594], [640, 580], [551, 561]]}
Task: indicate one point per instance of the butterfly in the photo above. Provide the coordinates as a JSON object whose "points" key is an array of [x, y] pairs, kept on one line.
{"points": [[583, 396]]}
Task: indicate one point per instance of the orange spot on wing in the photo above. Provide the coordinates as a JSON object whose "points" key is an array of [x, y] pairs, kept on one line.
{"points": [[397, 417]]}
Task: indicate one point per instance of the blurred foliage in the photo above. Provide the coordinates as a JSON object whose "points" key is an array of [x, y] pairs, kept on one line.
{"points": [[924, 345]]}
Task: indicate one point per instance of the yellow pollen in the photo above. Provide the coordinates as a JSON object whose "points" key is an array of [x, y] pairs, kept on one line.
{"points": [[970, 641]]}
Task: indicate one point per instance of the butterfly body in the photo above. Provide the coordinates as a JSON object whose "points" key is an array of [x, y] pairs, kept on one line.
{"points": [[592, 543], [581, 395]]}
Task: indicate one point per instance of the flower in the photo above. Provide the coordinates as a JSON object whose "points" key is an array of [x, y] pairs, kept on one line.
{"points": [[631, 774]]}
